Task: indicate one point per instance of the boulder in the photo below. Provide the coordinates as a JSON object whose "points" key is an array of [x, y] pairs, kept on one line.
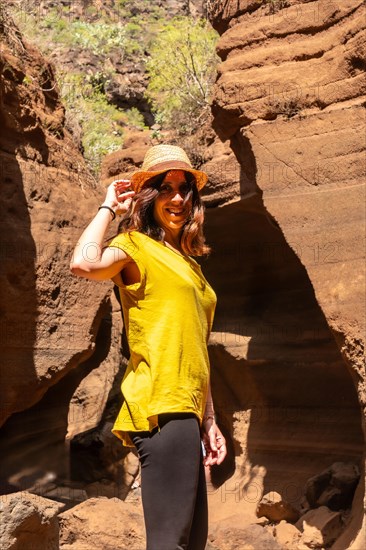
{"points": [[287, 534], [320, 527], [28, 522], [273, 507], [334, 487]]}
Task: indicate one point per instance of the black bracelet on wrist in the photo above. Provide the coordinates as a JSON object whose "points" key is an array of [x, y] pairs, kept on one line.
{"points": [[108, 208], [205, 418]]}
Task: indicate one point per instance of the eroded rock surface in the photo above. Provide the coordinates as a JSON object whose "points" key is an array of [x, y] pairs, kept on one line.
{"points": [[47, 196], [50, 319], [290, 101]]}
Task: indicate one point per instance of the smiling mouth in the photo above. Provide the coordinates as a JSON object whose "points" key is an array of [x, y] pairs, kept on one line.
{"points": [[176, 212]]}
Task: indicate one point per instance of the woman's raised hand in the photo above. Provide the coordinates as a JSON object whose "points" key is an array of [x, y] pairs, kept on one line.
{"points": [[119, 196]]}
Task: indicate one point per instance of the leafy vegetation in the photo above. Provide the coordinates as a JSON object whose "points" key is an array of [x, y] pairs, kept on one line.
{"points": [[182, 69], [99, 38], [87, 107], [134, 118], [91, 48]]}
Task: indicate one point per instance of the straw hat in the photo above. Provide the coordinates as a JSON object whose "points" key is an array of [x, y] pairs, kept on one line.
{"points": [[160, 159]]}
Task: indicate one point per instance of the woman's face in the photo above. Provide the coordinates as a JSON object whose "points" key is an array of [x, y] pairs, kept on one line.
{"points": [[170, 210]]}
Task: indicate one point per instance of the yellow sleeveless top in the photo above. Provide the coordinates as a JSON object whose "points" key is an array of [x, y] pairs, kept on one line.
{"points": [[168, 317]]}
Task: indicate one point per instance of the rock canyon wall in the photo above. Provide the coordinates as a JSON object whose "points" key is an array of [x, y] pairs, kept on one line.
{"points": [[50, 319], [288, 352], [286, 222]]}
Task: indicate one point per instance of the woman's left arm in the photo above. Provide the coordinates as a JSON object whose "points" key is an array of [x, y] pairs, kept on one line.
{"points": [[213, 440]]}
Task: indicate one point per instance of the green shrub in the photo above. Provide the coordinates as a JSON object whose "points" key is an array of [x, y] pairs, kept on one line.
{"points": [[182, 69], [99, 121], [135, 118], [99, 38]]}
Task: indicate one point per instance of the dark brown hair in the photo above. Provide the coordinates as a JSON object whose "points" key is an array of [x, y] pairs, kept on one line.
{"points": [[140, 217]]}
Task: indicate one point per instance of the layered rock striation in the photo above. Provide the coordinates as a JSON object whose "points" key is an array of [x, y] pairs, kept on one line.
{"points": [[290, 325]]}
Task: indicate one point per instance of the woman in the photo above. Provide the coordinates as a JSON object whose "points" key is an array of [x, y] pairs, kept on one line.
{"points": [[168, 309]]}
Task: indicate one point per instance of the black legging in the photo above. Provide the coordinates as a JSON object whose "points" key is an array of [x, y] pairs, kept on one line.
{"points": [[173, 484]]}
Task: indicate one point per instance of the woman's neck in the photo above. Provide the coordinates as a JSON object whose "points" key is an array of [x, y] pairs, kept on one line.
{"points": [[173, 240]]}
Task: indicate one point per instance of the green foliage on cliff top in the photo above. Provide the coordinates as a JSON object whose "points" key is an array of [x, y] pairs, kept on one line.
{"points": [[91, 45], [182, 69]]}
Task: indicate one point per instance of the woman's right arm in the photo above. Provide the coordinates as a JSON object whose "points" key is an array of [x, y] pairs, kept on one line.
{"points": [[89, 259]]}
